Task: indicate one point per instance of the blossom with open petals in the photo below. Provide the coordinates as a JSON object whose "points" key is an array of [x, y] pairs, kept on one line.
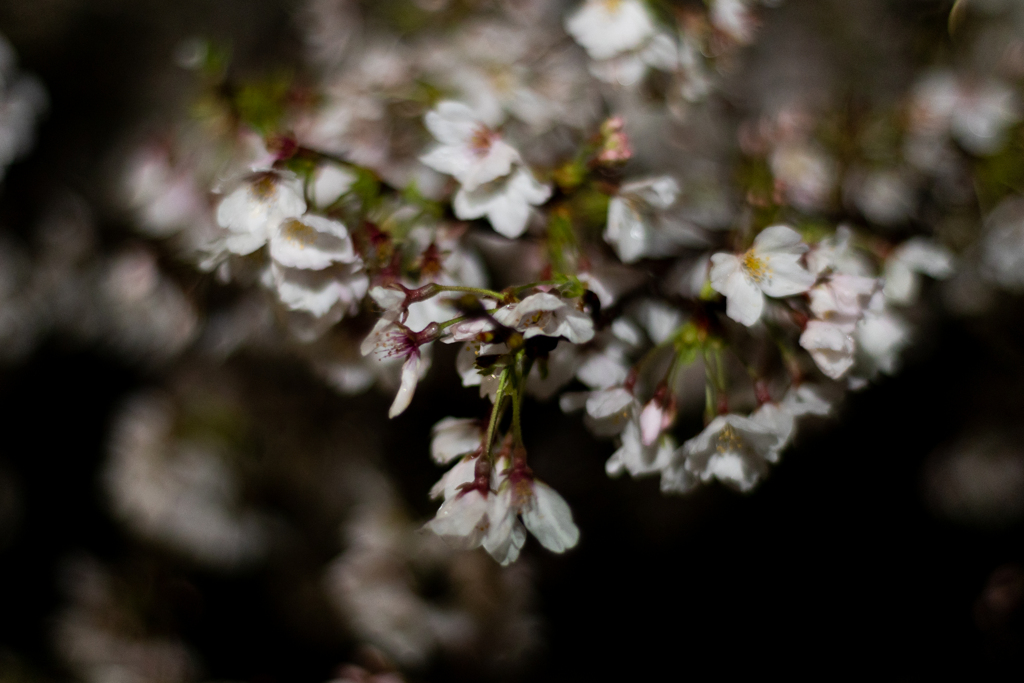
{"points": [[543, 512], [468, 149], [734, 449], [549, 315], [506, 202], [253, 210], [391, 339], [771, 266], [606, 28], [629, 215], [831, 345]]}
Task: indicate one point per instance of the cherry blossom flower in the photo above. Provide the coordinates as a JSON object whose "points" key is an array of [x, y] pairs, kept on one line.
{"points": [[311, 242], [468, 150], [390, 339], [505, 202], [549, 315], [254, 210], [453, 437], [606, 28], [831, 345], [913, 257], [629, 215], [315, 269], [330, 292], [636, 458], [771, 266], [463, 520], [543, 512], [842, 297], [734, 449], [629, 68], [882, 335]]}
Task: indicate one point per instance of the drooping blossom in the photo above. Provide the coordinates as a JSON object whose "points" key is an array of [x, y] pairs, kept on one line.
{"points": [[734, 449], [391, 339]]}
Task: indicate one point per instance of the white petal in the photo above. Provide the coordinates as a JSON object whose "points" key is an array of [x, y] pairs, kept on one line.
{"points": [[609, 403], [449, 485], [723, 266], [312, 243], [650, 422], [415, 366], [387, 298], [785, 276], [453, 437], [329, 183], [830, 345], [549, 519], [779, 238], [744, 301], [452, 123], [462, 521]]}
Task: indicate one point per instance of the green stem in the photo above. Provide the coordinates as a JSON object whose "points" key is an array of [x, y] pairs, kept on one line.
{"points": [[517, 400], [496, 411], [448, 323], [710, 390], [490, 293]]}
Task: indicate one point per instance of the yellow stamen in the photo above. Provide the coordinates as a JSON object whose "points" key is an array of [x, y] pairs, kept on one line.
{"points": [[754, 266], [298, 233]]}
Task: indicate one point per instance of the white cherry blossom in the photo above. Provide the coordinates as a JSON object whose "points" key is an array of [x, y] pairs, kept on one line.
{"points": [[505, 202], [771, 266], [453, 437], [469, 150], [337, 290], [390, 339], [606, 28], [254, 210], [463, 520], [882, 335], [311, 242], [831, 345], [549, 315], [903, 268], [636, 458], [733, 449], [842, 297], [630, 212], [543, 512]]}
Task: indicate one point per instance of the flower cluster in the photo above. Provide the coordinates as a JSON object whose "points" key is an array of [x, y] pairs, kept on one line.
{"points": [[673, 260]]}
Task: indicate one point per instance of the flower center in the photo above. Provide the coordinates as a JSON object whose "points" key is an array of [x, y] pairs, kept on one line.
{"points": [[264, 188], [755, 266], [298, 233], [728, 441], [611, 6], [482, 140]]}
